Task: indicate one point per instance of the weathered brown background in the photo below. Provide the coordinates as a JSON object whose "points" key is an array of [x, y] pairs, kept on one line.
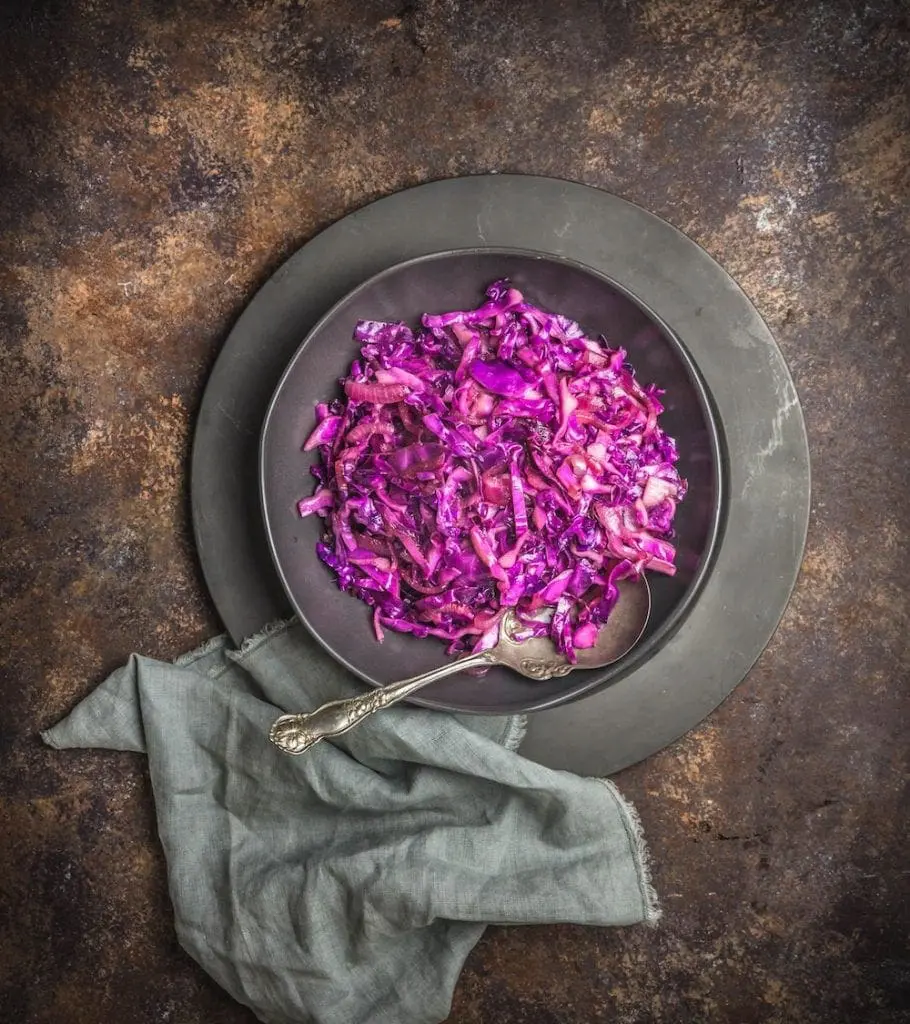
{"points": [[160, 160]]}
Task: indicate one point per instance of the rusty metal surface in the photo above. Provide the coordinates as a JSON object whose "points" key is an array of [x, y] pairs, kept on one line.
{"points": [[158, 161]]}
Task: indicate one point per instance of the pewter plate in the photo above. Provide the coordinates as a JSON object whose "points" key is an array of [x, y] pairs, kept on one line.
{"points": [[758, 553]]}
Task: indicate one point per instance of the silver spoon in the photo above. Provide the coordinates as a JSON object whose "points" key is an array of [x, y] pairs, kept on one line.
{"points": [[536, 658]]}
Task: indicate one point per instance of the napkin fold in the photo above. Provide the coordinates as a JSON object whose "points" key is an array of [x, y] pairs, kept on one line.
{"points": [[347, 885]]}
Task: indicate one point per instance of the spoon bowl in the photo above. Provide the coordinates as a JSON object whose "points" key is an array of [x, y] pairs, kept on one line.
{"points": [[537, 658]]}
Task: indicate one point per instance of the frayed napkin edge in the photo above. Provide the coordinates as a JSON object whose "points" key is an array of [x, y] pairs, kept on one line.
{"points": [[640, 854]]}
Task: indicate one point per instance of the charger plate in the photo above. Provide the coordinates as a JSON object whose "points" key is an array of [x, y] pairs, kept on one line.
{"points": [[757, 558]]}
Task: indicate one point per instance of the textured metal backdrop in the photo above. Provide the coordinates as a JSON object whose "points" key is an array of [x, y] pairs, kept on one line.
{"points": [[158, 161]]}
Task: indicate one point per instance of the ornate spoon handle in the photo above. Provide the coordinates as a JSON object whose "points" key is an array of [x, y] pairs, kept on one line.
{"points": [[296, 733]]}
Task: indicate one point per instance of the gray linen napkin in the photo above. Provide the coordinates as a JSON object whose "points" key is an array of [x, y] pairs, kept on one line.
{"points": [[347, 886]]}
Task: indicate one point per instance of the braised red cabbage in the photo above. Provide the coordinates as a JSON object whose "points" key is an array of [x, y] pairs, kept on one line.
{"points": [[495, 458]]}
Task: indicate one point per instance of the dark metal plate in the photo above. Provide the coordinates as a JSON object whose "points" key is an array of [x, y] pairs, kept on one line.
{"points": [[758, 555], [456, 280]]}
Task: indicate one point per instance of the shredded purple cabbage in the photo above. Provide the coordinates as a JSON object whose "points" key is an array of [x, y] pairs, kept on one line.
{"points": [[498, 458]]}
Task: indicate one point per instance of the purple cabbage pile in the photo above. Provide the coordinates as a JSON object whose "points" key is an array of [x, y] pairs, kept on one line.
{"points": [[497, 458]]}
